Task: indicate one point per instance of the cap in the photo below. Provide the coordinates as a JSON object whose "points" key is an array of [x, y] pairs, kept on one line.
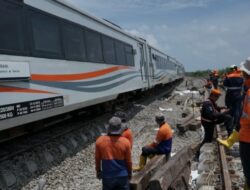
{"points": [[159, 118], [215, 92], [115, 126], [233, 66]]}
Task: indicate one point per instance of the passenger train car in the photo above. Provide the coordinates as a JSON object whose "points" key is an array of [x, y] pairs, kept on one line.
{"points": [[55, 58]]}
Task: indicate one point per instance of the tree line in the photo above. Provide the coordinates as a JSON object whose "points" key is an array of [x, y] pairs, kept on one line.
{"points": [[205, 73]]}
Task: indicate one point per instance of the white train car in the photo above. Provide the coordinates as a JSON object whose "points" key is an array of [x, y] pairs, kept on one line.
{"points": [[55, 58], [163, 66]]}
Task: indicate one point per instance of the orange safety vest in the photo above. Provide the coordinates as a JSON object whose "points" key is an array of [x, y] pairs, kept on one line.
{"points": [[236, 84], [236, 73], [244, 134], [128, 134]]}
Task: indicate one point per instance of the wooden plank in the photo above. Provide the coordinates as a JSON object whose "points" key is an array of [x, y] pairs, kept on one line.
{"points": [[141, 179], [182, 181], [171, 170]]}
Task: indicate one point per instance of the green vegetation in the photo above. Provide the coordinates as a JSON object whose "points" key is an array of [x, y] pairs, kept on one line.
{"points": [[205, 73]]}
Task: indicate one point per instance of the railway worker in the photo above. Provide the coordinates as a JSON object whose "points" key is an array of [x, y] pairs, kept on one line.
{"points": [[215, 78], [233, 100], [212, 114], [244, 131], [208, 85], [161, 145], [127, 133], [113, 157], [234, 83], [211, 76]]}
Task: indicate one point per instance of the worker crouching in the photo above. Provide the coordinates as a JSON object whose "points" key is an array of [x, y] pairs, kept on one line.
{"points": [[161, 145], [212, 114], [113, 157]]}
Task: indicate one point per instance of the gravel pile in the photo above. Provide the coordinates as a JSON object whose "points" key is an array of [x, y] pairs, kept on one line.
{"points": [[77, 171]]}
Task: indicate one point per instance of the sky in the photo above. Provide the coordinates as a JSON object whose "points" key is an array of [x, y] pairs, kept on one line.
{"points": [[201, 34]]}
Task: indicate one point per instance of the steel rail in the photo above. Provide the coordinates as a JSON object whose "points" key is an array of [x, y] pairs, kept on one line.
{"points": [[226, 184]]}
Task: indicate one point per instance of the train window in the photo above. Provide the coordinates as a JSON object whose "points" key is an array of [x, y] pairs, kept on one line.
{"points": [[129, 55], [168, 66], [108, 50], [46, 35], [120, 53], [94, 46], [73, 43], [163, 63], [11, 27], [171, 66]]}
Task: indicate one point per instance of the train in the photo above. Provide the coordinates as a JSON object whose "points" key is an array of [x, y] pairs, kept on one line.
{"points": [[56, 58]]}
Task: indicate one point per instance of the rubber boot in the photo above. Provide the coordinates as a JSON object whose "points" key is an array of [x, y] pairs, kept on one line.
{"points": [[233, 138], [142, 163]]}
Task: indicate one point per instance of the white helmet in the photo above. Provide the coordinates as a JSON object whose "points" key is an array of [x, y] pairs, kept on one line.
{"points": [[233, 66], [245, 66]]}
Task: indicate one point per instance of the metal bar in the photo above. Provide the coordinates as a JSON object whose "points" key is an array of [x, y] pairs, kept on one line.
{"points": [[227, 185], [172, 173]]}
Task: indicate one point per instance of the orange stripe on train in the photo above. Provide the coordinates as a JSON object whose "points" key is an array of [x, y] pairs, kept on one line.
{"points": [[79, 76], [24, 90]]}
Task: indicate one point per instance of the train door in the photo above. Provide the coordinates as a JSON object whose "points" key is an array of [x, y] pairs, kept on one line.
{"points": [[144, 65], [151, 67]]}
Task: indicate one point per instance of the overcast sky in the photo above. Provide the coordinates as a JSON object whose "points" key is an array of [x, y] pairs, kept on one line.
{"points": [[201, 34]]}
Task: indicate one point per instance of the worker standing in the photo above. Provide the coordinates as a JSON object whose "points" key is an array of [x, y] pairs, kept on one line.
{"points": [[244, 132], [212, 114], [127, 133], [233, 100], [113, 157], [234, 83], [161, 145], [215, 79]]}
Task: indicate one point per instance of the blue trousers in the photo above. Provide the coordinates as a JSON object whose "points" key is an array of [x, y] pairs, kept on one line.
{"points": [[234, 103], [146, 151], [209, 129], [117, 183]]}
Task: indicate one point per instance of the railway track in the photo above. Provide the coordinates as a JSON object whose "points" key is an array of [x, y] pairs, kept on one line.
{"points": [[231, 168], [218, 168], [226, 183], [65, 138], [42, 138], [174, 173]]}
